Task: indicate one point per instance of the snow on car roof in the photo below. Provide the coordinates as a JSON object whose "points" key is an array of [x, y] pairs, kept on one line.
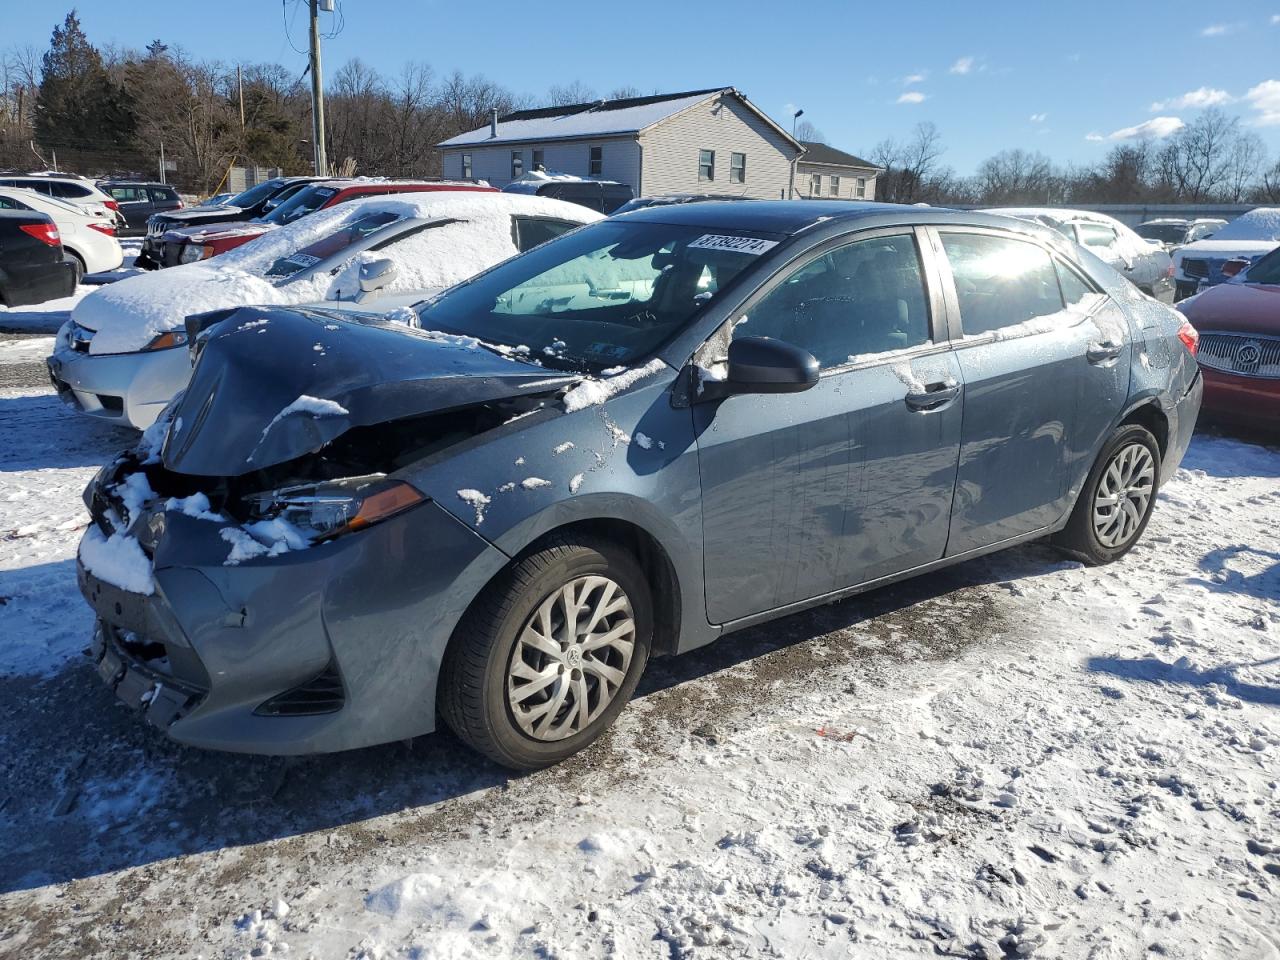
{"points": [[1260, 223], [128, 314]]}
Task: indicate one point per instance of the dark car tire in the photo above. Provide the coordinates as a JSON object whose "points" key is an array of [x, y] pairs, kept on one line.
{"points": [[1081, 537], [77, 263], [473, 694]]}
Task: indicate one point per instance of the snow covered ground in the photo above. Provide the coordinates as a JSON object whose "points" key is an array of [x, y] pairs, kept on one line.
{"points": [[1019, 756]]}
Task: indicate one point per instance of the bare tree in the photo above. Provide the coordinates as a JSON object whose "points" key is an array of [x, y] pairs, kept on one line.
{"points": [[1196, 159], [909, 166], [1244, 160], [806, 132], [576, 92], [624, 93]]}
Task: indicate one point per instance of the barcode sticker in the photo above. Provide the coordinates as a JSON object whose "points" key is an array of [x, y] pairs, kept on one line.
{"points": [[752, 245]]}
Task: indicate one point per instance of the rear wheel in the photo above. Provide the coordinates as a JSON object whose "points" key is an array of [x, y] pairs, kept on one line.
{"points": [[76, 262], [1117, 499], [549, 654]]}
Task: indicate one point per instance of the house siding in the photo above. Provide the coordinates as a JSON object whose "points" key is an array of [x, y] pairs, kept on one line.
{"points": [[620, 159], [848, 180], [723, 124]]}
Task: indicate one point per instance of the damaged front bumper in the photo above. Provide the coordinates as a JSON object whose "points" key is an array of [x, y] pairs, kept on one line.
{"points": [[328, 648]]}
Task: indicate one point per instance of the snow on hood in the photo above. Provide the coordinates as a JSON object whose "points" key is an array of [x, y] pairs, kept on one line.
{"points": [[1260, 223], [1224, 248], [129, 314]]}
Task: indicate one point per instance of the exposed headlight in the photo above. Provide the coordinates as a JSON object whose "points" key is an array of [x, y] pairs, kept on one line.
{"points": [[195, 251], [322, 511], [165, 341]]}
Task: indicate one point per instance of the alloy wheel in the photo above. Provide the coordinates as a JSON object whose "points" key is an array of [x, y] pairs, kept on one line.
{"points": [[1123, 494], [571, 658]]}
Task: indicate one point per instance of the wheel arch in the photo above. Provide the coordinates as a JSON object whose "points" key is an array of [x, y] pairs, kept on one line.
{"points": [[1150, 414]]}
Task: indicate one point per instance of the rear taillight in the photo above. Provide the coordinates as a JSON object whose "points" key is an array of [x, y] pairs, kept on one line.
{"points": [[44, 232], [1189, 336], [107, 228], [111, 205], [1168, 271]]}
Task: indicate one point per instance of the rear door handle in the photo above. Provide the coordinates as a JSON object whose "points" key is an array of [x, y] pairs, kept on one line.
{"points": [[1102, 352], [934, 397]]}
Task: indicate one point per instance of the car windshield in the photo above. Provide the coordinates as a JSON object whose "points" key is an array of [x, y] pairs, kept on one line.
{"points": [[1164, 232], [255, 195], [1266, 270], [328, 245], [604, 295], [299, 205]]}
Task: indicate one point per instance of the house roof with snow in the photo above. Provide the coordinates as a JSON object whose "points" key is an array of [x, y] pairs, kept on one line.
{"points": [[599, 118], [820, 153]]}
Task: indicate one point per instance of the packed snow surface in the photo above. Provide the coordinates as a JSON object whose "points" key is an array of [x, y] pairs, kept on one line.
{"points": [[129, 314]]}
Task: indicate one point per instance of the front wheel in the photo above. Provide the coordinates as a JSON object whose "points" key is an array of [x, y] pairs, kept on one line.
{"points": [[1117, 499], [549, 654]]}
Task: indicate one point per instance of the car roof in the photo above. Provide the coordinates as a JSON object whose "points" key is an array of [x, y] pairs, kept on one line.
{"points": [[136, 183], [1166, 220], [794, 216]]}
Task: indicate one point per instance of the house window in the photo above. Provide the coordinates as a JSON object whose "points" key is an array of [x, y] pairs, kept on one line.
{"points": [[815, 185], [596, 165], [466, 166], [517, 164], [537, 161], [835, 186], [706, 164], [860, 188], [737, 168]]}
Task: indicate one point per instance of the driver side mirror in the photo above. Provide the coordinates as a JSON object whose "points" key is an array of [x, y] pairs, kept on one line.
{"points": [[375, 275], [763, 365]]}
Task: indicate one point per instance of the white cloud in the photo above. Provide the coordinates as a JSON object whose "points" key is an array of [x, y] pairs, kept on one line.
{"points": [[1157, 128], [1265, 98], [963, 65], [1275, 19], [911, 78], [913, 96], [1039, 117], [1194, 99], [1219, 29]]}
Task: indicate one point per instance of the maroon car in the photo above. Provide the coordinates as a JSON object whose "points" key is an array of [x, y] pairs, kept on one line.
{"points": [[1239, 324]]}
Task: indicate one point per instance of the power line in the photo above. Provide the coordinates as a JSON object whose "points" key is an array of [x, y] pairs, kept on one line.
{"points": [[284, 16]]}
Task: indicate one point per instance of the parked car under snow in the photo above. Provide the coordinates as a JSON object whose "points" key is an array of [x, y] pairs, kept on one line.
{"points": [[1246, 239], [629, 441], [122, 355]]}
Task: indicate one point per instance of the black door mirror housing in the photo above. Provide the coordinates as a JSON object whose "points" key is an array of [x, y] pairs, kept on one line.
{"points": [[763, 365]]}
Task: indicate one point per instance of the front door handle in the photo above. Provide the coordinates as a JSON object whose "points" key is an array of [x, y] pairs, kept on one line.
{"points": [[1102, 352], [934, 396]]}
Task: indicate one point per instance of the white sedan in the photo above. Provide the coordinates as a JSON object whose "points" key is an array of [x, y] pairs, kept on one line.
{"points": [[122, 356], [88, 239]]}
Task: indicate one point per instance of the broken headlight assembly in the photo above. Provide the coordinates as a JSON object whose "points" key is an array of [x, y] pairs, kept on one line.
{"points": [[328, 509]]}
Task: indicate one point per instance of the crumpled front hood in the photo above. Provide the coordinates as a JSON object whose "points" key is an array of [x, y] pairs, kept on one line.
{"points": [[217, 230], [273, 384]]}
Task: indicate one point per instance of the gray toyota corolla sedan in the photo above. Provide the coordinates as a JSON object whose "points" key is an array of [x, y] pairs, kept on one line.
{"points": [[629, 441]]}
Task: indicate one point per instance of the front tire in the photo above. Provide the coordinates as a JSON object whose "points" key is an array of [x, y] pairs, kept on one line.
{"points": [[549, 653], [1117, 499]]}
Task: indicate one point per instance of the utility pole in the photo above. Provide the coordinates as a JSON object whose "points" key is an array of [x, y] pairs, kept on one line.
{"points": [[162, 179], [240, 93], [317, 93]]}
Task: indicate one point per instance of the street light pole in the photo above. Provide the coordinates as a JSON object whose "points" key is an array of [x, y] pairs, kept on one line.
{"points": [[791, 189], [317, 93]]}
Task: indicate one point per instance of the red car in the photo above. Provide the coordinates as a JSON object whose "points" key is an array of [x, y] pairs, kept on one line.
{"points": [[1239, 324], [189, 244]]}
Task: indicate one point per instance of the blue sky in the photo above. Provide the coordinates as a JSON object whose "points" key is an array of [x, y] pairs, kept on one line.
{"points": [[1065, 79]]}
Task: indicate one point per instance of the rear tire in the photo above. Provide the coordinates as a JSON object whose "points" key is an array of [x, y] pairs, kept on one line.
{"points": [[74, 259], [549, 653], [1116, 501]]}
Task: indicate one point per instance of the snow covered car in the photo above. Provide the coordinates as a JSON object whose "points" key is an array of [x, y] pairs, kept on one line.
{"points": [[123, 354], [1173, 232], [1146, 266], [1239, 324], [1249, 237], [629, 441], [189, 244], [88, 239]]}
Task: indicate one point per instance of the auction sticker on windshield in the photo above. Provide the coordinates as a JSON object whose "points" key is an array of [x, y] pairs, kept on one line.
{"points": [[714, 241]]}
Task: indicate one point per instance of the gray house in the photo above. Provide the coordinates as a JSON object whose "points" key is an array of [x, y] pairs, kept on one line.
{"points": [[832, 174], [712, 141]]}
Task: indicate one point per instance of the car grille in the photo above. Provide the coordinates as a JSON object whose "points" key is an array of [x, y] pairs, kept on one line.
{"points": [[1195, 268], [1240, 354]]}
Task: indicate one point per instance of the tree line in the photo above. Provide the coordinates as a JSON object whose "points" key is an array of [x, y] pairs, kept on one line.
{"points": [[106, 111]]}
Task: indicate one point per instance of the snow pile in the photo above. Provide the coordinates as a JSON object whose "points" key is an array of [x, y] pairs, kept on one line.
{"points": [[117, 560], [592, 392], [265, 538], [129, 314], [196, 505]]}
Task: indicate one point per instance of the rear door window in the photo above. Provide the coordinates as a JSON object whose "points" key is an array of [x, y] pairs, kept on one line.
{"points": [[128, 194], [161, 196], [858, 300], [532, 231], [1000, 282], [59, 188]]}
